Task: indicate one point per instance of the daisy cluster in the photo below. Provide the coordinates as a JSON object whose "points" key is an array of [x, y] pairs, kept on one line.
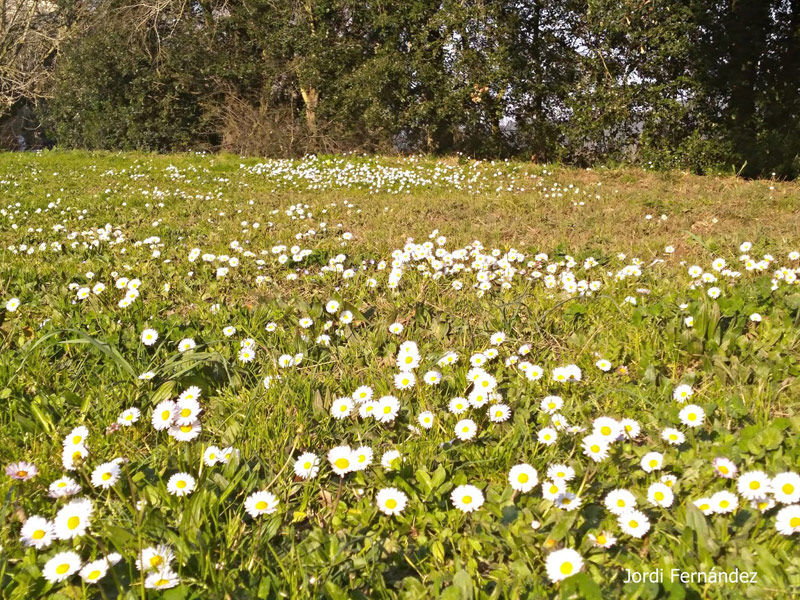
{"points": [[289, 380]]}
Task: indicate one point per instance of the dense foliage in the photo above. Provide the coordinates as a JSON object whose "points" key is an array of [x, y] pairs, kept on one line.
{"points": [[679, 83]]}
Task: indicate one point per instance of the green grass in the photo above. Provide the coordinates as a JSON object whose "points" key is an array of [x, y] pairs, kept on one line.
{"points": [[66, 362]]}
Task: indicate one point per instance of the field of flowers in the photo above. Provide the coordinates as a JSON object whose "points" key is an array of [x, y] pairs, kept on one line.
{"points": [[349, 377]]}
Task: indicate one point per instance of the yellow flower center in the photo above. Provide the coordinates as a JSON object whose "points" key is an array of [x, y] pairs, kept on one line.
{"points": [[566, 568], [754, 485], [633, 524], [601, 539], [165, 415], [156, 560], [467, 499], [38, 534], [73, 522], [391, 503], [77, 439], [62, 568], [261, 505], [186, 412], [794, 522], [342, 463], [654, 463], [787, 488], [724, 504], [186, 428], [523, 478], [180, 484], [595, 448], [723, 469], [605, 430], [161, 582], [620, 502], [704, 507], [106, 476], [22, 473], [659, 496], [94, 574], [307, 465]]}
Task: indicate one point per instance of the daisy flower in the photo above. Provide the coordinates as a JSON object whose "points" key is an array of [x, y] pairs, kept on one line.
{"points": [[22, 471], [162, 579], [163, 415], [72, 519], [181, 484], [673, 436], [155, 557], [787, 521], [261, 503], [388, 459], [388, 407], [498, 413], [553, 489], [724, 467], [396, 328], [62, 566], [77, 436], [692, 415], [634, 523], [630, 428], [341, 460], [659, 494], [753, 485], [652, 461], [37, 532], [607, 428], [307, 465], [362, 394], [94, 571], [478, 397], [786, 487], [185, 433], [568, 501], [682, 393], [551, 404], [523, 478], [391, 501], [560, 473], [186, 344], [432, 378], [595, 447], [724, 502], [562, 564], [618, 501], [467, 498], [604, 539], [63, 487], [341, 407], [425, 419], [458, 405], [547, 436], [362, 458], [211, 456], [149, 337], [465, 429], [603, 365], [704, 505], [129, 416], [106, 475], [404, 380]]}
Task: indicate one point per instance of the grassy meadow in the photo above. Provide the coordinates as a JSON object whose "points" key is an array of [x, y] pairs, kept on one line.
{"points": [[350, 377]]}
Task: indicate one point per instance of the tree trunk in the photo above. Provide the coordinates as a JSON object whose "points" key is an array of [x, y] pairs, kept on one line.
{"points": [[311, 98]]}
